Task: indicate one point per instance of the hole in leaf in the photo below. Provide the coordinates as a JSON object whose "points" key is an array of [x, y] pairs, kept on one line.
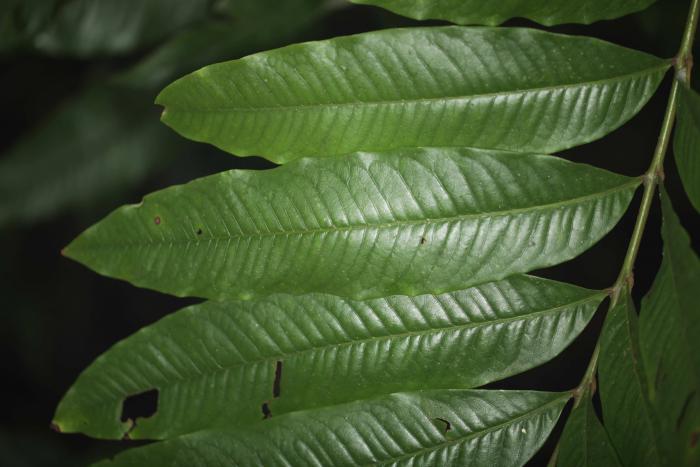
{"points": [[266, 411], [142, 405], [443, 425], [278, 380]]}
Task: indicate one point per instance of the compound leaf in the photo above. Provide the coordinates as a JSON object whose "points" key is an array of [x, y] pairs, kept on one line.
{"points": [[686, 143], [547, 12], [512, 89], [669, 331], [443, 427], [298, 352], [367, 225]]}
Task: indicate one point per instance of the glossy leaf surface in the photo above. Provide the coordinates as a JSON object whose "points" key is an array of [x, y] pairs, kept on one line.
{"points": [[584, 442], [686, 143], [492, 13], [299, 352], [670, 345], [513, 89], [627, 413], [457, 427], [367, 225]]}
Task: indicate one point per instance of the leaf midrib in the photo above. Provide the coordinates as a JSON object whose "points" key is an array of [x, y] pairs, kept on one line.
{"points": [[640, 378], [623, 77], [682, 315], [531, 316], [479, 434], [634, 182]]}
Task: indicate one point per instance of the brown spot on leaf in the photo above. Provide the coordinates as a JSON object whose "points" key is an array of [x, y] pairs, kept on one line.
{"points": [[127, 434], [157, 220]]}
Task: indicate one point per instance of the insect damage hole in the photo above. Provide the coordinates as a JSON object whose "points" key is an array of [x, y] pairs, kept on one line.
{"points": [[278, 380], [443, 425], [142, 405]]}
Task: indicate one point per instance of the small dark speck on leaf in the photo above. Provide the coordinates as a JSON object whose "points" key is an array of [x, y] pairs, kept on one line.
{"points": [[423, 240], [199, 231], [266, 411], [157, 220]]}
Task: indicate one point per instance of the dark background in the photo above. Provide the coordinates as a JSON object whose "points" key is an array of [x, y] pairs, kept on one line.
{"points": [[80, 137]]}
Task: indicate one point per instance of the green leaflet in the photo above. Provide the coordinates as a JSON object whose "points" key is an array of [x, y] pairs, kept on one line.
{"points": [[687, 141], [628, 416], [492, 13], [669, 332], [298, 352], [446, 427], [367, 225], [584, 442], [514, 89]]}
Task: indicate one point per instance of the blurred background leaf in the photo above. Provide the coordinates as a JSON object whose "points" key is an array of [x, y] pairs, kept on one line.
{"points": [[108, 138], [60, 165], [86, 28]]}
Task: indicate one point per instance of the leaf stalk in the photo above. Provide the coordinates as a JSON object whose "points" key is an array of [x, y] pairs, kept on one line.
{"points": [[683, 63], [653, 176]]}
